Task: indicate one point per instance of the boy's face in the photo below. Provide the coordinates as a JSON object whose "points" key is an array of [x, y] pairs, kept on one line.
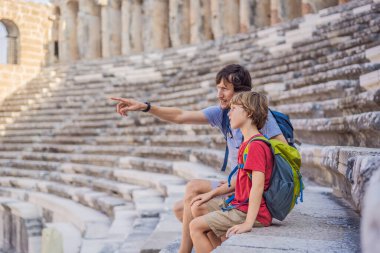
{"points": [[238, 116], [225, 92]]}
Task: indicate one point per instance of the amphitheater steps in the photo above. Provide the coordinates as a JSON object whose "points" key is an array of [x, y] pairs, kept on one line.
{"points": [[340, 130], [354, 104], [167, 230], [92, 224]]}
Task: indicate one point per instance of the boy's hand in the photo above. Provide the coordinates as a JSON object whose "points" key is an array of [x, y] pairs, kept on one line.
{"points": [[201, 198], [125, 105], [239, 229]]}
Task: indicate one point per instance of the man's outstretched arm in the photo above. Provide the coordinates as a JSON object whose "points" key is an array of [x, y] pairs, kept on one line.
{"points": [[171, 114]]}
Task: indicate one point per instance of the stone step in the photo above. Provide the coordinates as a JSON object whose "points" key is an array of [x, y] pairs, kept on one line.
{"points": [[85, 196], [211, 141], [91, 224], [106, 160], [316, 92], [22, 225], [13, 147], [165, 232], [142, 229], [166, 184], [70, 241], [355, 104], [340, 130], [333, 165]]}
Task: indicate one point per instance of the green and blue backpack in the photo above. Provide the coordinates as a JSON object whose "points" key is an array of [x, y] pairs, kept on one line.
{"points": [[285, 185]]}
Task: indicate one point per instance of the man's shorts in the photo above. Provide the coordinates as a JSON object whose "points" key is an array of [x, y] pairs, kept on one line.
{"points": [[220, 221]]}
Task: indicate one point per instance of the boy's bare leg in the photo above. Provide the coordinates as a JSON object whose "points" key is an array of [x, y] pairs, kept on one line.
{"points": [[193, 188], [215, 241], [198, 230]]}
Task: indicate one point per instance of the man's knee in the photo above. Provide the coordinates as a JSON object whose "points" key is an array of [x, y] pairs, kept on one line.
{"points": [[195, 226], [195, 187]]}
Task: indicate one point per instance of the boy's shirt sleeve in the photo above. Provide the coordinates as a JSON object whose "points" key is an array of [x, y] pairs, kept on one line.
{"points": [[256, 158]]}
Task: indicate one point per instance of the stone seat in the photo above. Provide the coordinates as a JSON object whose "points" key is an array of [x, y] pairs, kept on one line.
{"points": [[166, 184], [355, 130], [345, 168], [34, 125], [45, 112], [106, 160], [92, 224], [41, 118], [22, 226], [167, 230], [354, 104], [13, 147], [321, 91], [212, 141], [168, 129], [24, 132], [18, 139], [95, 200], [351, 72]]}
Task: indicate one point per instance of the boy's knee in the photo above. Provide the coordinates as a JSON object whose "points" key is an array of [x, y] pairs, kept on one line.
{"points": [[194, 226]]}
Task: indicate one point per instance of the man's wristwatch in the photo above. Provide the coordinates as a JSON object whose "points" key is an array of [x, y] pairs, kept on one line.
{"points": [[148, 108]]}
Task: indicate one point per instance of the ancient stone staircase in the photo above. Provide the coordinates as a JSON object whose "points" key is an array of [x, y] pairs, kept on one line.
{"points": [[108, 183]]}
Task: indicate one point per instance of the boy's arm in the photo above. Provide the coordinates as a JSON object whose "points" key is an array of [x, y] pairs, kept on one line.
{"points": [[218, 191], [255, 195]]}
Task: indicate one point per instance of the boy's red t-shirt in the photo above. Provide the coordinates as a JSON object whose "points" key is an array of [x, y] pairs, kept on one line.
{"points": [[259, 158]]}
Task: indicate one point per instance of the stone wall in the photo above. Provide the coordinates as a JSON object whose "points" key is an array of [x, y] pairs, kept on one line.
{"points": [[106, 28], [33, 22]]}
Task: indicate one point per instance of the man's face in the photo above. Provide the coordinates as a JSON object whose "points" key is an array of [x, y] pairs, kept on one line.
{"points": [[225, 92]]}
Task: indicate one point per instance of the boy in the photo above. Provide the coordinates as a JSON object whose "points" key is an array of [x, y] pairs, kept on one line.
{"points": [[249, 112]]}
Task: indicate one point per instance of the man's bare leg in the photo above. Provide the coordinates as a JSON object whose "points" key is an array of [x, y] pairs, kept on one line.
{"points": [[193, 188], [178, 210]]}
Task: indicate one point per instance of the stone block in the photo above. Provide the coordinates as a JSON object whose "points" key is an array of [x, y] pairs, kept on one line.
{"points": [[370, 80], [360, 171], [370, 215], [60, 238]]}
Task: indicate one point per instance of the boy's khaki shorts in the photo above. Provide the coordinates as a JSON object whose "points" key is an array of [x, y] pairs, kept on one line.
{"points": [[220, 221]]}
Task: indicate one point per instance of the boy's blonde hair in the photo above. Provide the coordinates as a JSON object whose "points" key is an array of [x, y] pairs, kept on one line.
{"points": [[255, 104]]}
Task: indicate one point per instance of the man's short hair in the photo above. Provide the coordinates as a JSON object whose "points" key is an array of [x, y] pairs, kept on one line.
{"points": [[255, 104], [237, 75]]}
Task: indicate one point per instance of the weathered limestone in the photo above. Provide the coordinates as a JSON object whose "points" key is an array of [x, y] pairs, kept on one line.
{"points": [[60, 238], [313, 6], [132, 26], [68, 32], [254, 13], [156, 30], [179, 22], [362, 169], [33, 23], [370, 223], [111, 27], [21, 226], [225, 17], [200, 21], [89, 30], [285, 10]]}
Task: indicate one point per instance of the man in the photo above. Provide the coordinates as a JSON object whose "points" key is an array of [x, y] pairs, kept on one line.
{"points": [[231, 79]]}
